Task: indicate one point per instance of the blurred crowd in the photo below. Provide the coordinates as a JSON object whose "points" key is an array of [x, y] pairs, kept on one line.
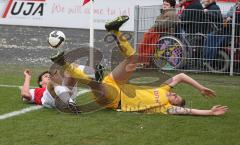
{"points": [[192, 17]]}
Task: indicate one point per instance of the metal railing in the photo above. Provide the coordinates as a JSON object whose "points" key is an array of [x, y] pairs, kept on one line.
{"points": [[189, 40]]}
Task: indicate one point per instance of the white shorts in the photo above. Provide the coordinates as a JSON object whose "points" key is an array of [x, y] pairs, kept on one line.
{"points": [[49, 102]]}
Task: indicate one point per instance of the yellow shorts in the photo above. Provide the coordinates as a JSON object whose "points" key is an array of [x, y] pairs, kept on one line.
{"points": [[112, 93]]}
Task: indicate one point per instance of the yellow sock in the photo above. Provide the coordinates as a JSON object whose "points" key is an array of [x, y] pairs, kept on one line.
{"points": [[125, 47], [77, 73]]}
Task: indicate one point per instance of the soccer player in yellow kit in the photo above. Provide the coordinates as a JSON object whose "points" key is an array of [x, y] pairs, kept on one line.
{"points": [[114, 93]]}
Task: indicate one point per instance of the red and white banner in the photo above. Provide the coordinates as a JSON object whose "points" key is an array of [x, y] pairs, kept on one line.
{"points": [[85, 1], [68, 13]]}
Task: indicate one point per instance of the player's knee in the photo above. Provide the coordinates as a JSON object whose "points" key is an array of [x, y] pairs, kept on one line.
{"points": [[131, 67], [182, 74]]}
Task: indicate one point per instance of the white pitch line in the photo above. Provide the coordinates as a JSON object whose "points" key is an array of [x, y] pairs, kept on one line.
{"points": [[15, 86], [22, 111], [32, 108], [9, 86], [83, 91]]}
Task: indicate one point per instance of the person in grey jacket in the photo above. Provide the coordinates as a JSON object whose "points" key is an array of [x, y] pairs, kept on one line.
{"points": [[165, 23]]}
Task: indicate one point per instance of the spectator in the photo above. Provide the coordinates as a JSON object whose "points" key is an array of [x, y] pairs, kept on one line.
{"points": [[237, 18], [213, 14], [192, 16], [215, 37], [165, 23], [230, 12]]}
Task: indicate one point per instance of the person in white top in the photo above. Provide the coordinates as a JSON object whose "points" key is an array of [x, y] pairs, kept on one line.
{"points": [[48, 90]]}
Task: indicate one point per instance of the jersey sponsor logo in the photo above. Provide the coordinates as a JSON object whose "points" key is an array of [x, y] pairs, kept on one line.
{"points": [[24, 8], [156, 95]]}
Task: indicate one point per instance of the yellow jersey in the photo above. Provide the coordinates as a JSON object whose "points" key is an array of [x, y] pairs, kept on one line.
{"points": [[136, 98]]}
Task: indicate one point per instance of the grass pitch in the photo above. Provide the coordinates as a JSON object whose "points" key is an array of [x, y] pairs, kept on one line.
{"points": [[107, 127]]}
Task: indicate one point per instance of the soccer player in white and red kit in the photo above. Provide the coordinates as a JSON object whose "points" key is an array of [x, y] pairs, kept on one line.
{"points": [[46, 93]]}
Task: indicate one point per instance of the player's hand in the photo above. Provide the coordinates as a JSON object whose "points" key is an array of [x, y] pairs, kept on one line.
{"points": [[207, 92], [219, 110], [27, 73], [229, 19]]}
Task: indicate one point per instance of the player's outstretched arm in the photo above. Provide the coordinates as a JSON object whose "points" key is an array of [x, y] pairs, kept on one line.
{"points": [[214, 111], [26, 85], [183, 78]]}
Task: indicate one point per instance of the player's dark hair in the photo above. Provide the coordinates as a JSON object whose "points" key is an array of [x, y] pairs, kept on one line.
{"points": [[40, 77], [183, 103], [171, 2]]}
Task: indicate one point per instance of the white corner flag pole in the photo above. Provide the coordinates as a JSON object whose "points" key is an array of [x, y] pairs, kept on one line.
{"points": [[91, 38]]}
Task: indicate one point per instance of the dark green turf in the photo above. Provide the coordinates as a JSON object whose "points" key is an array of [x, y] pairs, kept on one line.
{"points": [[106, 127]]}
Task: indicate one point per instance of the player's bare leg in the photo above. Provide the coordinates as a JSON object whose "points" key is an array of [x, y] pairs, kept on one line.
{"points": [[79, 74], [124, 70], [121, 73]]}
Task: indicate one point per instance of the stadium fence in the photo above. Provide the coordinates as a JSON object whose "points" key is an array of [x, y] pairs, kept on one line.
{"points": [[193, 40]]}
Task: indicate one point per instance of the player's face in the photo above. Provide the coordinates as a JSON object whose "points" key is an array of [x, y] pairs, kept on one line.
{"points": [[181, 2], [205, 2], [166, 5], [175, 99], [45, 79]]}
